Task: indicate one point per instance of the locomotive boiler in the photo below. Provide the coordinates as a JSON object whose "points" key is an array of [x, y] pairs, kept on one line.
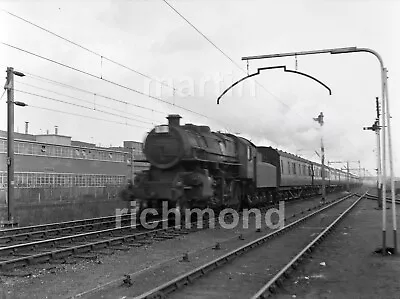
{"points": [[190, 166]]}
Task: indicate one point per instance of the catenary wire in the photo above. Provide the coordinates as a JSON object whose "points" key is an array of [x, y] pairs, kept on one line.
{"points": [[105, 80], [37, 77], [84, 100], [80, 106], [64, 85], [88, 50], [226, 55], [85, 116]]}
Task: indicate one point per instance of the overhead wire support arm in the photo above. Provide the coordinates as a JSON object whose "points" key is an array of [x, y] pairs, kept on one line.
{"points": [[332, 51], [270, 68]]}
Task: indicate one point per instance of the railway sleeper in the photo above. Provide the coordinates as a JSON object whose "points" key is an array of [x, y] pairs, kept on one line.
{"points": [[135, 244], [87, 257], [115, 242], [62, 254], [108, 252], [144, 242], [120, 248], [81, 249], [180, 284], [38, 259]]}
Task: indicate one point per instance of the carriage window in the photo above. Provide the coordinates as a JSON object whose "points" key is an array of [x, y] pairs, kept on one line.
{"points": [[222, 147], [294, 168], [288, 166], [281, 167], [249, 153]]}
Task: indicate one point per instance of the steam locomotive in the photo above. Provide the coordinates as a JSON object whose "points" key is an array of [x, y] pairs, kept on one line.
{"points": [[192, 167]]}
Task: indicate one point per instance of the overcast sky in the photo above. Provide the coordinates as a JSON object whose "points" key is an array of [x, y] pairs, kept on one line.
{"points": [[151, 38]]}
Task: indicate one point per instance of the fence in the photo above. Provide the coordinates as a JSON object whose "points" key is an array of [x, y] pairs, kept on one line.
{"points": [[56, 193]]}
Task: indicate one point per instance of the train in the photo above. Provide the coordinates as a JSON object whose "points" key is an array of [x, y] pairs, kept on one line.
{"points": [[193, 167]]}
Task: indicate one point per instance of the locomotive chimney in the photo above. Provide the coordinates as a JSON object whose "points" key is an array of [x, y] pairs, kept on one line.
{"points": [[26, 127], [56, 130], [173, 120]]}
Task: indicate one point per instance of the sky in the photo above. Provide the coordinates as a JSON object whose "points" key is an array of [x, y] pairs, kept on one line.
{"points": [[151, 43]]}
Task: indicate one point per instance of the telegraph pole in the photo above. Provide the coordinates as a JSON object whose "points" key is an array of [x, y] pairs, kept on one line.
{"points": [[10, 145], [391, 165], [320, 120], [10, 142]]}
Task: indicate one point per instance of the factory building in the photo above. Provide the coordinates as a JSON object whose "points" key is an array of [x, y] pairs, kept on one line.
{"points": [[55, 167]]}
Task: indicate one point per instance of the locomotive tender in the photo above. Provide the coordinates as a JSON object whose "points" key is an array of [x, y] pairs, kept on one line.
{"points": [[192, 167]]}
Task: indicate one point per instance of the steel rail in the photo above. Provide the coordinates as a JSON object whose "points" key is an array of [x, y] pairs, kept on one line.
{"points": [[374, 197], [188, 277], [57, 231], [25, 250], [55, 225], [269, 289]]}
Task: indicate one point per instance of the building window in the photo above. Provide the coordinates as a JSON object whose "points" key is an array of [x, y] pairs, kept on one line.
{"points": [[58, 151]]}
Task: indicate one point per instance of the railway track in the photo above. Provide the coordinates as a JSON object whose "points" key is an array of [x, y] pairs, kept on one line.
{"points": [[375, 197], [32, 245], [60, 227], [244, 274], [59, 248]]}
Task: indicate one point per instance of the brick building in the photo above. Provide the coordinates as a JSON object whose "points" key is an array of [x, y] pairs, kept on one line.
{"points": [[55, 167]]}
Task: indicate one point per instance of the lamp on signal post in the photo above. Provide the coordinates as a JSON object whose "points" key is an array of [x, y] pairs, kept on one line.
{"points": [[376, 128], [10, 141], [320, 120]]}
